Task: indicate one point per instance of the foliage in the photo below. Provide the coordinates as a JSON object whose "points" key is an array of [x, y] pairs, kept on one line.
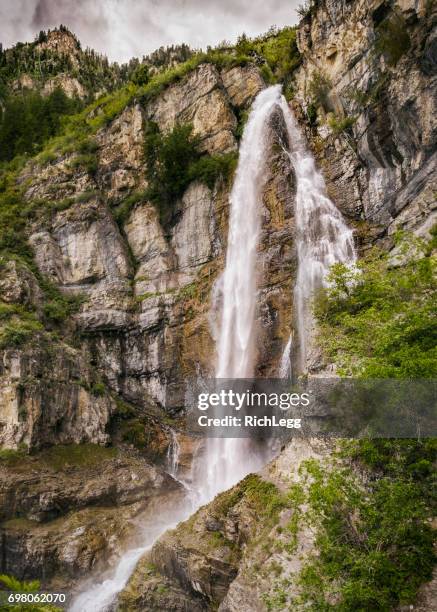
{"points": [[29, 119], [392, 38], [173, 161], [10, 583], [397, 303], [141, 75], [375, 546], [306, 9], [318, 90], [169, 159], [372, 510], [209, 168], [279, 51], [339, 125], [61, 457], [312, 113], [92, 70], [123, 210]]}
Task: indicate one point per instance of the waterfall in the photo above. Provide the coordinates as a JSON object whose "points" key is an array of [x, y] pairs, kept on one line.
{"points": [[322, 237], [284, 370], [230, 459], [173, 454]]}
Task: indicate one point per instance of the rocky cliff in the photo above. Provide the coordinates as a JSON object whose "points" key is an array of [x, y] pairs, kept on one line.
{"points": [[368, 73], [109, 372]]}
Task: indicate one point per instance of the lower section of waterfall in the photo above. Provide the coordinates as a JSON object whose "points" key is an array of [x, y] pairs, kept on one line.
{"points": [[322, 239]]}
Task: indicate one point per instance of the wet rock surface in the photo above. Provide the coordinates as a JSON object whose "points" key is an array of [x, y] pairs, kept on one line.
{"points": [[65, 511]]}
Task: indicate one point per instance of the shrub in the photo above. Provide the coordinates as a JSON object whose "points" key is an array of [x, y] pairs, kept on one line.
{"points": [[88, 161], [210, 168], [17, 332], [395, 303], [311, 113], [375, 546], [318, 88], [169, 158], [392, 39], [98, 389], [173, 161], [339, 125], [123, 210]]}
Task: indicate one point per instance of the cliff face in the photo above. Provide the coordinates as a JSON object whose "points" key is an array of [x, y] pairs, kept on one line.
{"points": [[368, 74], [369, 68], [111, 372], [145, 291], [115, 371]]}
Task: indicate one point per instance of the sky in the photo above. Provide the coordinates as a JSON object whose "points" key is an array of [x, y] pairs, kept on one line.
{"points": [[122, 29]]}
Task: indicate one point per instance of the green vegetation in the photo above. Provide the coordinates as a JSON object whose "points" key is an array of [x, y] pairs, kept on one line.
{"points": [[396, 303], [28, 120], [342, 124], [318, 90], [60, 457], [392, 39], [19, 330], [372, 507], [173, 162], [306, 9], [279, 50], [17, 586], [311, 113], [263, 497], [93, 71], [169, 159], [374, 542]]}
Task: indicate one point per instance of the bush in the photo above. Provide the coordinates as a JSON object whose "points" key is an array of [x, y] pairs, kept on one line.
{"points": [[339, 125], [375, 546], [17, 332], [312, 114], [123, 210], [173, 161], [169, 159], [210, 168], [396, 303], [318, 89], [392, 39]]}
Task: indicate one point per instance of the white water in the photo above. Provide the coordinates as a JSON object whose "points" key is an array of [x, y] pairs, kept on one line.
{"points": [[284, 370], [322, 239], [228, 460], [173, 454]]}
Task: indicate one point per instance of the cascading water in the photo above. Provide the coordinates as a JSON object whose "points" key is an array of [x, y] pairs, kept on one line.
{"points": [[230, 459], [322, 239], [284, 370], [173, 454]]}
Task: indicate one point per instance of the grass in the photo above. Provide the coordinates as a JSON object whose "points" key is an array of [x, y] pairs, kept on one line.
{"points": [[61, 457]]}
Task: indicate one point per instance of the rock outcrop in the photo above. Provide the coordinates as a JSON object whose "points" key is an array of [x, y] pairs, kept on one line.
{"points": [[227, 555], [369, 67], [66, 510]]}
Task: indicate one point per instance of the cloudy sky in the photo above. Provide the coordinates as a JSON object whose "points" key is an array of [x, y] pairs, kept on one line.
{"points": [[125, 28]]}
